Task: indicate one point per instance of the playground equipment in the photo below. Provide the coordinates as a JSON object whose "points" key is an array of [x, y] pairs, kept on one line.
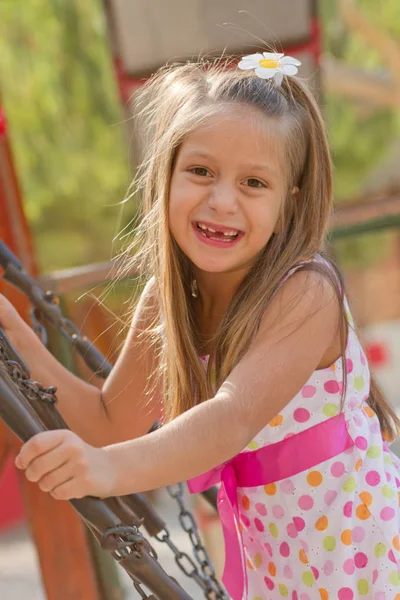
{"points": [[27, 408], [141, 41]]}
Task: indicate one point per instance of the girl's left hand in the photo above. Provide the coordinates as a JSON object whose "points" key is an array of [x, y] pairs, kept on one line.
{"points": [[66, 466]]}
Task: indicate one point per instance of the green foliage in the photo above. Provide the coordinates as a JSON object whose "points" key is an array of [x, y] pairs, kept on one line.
{"points": [[360, 133], [67, 131], [66, 126]]}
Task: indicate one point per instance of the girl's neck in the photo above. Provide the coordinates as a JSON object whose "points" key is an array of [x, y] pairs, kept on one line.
{"points": [[214, 294]]}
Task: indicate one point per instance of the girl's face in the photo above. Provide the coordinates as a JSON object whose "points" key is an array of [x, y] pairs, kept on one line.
{"points": [[226, 192]]}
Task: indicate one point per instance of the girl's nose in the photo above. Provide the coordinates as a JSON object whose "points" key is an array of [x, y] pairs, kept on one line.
{"points": [[223, 199]]}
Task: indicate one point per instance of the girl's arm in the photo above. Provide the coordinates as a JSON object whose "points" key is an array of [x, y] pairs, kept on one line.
{"points": [[300, 325], [130, 412]]}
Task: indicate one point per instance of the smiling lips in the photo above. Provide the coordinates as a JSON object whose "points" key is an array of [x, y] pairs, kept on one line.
{"points": [[217, 233]]}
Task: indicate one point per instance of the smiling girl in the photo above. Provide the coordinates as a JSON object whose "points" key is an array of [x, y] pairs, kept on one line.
{"points": [[243, 340]]}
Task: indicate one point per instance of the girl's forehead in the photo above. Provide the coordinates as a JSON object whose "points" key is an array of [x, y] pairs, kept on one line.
{"points": [[239, 131]]}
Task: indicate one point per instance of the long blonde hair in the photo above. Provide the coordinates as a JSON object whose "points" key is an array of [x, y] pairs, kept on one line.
{"points": [[172, 103]]}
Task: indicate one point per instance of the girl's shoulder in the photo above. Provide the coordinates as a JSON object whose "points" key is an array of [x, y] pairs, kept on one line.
{"points": [[318, 263]]}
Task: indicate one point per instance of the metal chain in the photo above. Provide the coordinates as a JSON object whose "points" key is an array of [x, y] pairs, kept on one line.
{"points": [[213, 589], [49, 304], [19, 373]]}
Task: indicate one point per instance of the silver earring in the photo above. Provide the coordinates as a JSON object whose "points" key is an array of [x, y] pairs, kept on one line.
{"points": [[194, 289]]}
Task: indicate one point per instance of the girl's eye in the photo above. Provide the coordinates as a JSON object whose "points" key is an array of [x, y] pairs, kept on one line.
{"points": [[255, 183], [202, 171]]}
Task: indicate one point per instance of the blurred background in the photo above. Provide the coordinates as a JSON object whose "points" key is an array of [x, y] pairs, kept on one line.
{"points": [[68, 151]]}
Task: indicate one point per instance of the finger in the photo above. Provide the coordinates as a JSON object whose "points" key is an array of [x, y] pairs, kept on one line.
{"points": [[54, 479], [67, 491], [38, 445], [54, 459], [46, 463]]}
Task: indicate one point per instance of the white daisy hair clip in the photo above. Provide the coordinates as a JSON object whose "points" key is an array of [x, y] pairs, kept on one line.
{"points": [[270, 65]]}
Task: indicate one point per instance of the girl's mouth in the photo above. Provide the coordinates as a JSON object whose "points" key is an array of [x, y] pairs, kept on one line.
{"points": [[217, 235]]}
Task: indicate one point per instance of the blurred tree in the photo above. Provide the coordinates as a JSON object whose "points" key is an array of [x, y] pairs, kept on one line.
{"points": [[362, 40], [65, 122], [362, 100]]}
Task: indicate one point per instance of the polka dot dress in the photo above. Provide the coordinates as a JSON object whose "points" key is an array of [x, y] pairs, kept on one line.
{"points": [[332, 532]]}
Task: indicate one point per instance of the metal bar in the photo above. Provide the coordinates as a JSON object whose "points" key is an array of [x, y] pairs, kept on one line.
{"points": [[140, 566]]}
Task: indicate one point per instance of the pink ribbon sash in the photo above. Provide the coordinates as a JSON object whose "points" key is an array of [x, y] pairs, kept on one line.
{"points": [[266, 465]]}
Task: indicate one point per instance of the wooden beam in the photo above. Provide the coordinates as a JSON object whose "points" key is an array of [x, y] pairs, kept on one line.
{"points": [[357, 84], [361, 212]]}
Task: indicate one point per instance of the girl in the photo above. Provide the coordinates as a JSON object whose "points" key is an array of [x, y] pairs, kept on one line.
{"points": [[245, 335]]}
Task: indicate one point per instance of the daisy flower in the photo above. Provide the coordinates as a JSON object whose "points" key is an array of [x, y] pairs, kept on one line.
{"points": [[270, 65]]}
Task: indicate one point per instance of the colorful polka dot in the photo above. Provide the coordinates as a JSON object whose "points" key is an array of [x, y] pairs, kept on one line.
{"points": [[303, 557], [299, 523], [330, 409], [246, 503], [314, 478], [284, 592], [257, 560], [358, 534], [329, 543], [348, 566], [301, 415], [387, 513], [361, 442], [332, 386], [374, 452], [253, 445], [348, 509], [270, 489], [388, 491], [360, 560], [337, 469], [259, 524], [330, 497], [373, 478], [278, 511], [306, 502], [269, 583], [329, 567], [308, 391], [346, 537], [359, 382], [380, 550], [345, 593], [261, 509], [366, 498], [394, 578], [308, 578], [276, 421], [284, 549], [349, 485], [273, 530], [363, 587], [287, 571], [287, 486], [322, 523]]}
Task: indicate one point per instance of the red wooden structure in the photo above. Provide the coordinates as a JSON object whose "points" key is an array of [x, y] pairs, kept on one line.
{"points": [[59, 535]]}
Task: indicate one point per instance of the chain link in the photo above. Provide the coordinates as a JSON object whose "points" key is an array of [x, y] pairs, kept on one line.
{"points": [[211, 586], [49, 304]]}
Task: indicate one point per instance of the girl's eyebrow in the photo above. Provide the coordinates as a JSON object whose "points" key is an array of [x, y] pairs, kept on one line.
{"points": [[251, 166]]}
